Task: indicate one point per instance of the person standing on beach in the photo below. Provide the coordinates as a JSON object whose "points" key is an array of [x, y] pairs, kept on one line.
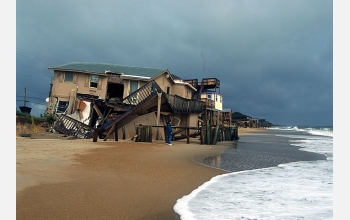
{"points": [[169, 132]]}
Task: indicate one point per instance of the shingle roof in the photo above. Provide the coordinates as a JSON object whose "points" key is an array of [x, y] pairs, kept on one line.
{"points": [[175, 76], [102, 67]]}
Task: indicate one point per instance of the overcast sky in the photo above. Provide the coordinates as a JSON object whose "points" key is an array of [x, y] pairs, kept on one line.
{"points": [[274, 58]]}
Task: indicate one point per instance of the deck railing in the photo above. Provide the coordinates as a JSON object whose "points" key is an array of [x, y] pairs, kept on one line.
{"points": [[71, 127], [136, 99], [141, 94], [208, 103], [182, 105], [146, 92]]}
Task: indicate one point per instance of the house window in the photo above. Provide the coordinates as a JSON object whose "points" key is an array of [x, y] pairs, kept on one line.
{"points": [[134, 85], [93, 81], [208, 96], [187, 94], [220, 99], [168, 89], [68, 77], [62, 106], [216, 97]]}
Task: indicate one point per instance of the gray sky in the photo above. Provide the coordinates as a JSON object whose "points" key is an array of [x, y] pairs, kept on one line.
{"points": [[274, 58]]}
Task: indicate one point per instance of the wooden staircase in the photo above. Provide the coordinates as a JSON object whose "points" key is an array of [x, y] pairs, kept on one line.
{"points": [[144, 94], [71, 127], [133, 101]]}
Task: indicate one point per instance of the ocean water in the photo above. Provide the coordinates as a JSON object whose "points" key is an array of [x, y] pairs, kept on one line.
{"points": [[293, 179]]}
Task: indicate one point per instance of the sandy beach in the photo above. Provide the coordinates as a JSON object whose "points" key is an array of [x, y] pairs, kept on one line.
{"points": [[63, 178]]}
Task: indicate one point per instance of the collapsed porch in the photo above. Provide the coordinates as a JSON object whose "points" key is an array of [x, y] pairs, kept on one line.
{"points": [[151, 106]]}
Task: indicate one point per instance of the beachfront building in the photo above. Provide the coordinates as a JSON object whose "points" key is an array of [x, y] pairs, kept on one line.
{"points": [[208, 91], [105, 82], [214, 98], [96, 93]]}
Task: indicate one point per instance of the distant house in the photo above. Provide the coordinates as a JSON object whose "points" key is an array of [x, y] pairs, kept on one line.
{"points": [[241, 120]]}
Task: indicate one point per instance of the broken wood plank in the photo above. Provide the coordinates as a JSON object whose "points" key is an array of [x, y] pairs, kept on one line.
{"points": [[95, 135], [97, 110], [103, 120], [109, 132]]}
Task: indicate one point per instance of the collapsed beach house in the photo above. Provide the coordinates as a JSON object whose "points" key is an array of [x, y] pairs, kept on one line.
{"points": [[105, 101]]}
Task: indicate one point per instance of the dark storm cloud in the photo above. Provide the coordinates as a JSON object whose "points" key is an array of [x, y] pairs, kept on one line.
{"points": [[274, 58]]}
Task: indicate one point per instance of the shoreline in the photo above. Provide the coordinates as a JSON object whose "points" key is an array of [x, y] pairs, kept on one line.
{"points": [[81, 179]]}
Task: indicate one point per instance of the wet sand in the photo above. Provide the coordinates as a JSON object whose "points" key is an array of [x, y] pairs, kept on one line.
{"points": [[59, 178]]}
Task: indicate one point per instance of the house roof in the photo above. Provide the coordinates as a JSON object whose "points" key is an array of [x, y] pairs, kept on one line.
{"points": [[238, 115], [226, 110], [175, 77], [100, 68]]}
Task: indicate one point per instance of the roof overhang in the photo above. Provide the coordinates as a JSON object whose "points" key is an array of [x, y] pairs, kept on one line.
{"points": [[186, 84], [135, 77], [76, 71]]}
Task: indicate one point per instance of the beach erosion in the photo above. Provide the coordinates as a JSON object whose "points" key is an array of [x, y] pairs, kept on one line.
{"points": [[63, 178]]}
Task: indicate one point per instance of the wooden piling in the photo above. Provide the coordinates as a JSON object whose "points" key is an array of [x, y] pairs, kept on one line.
{"points": [[144, 133], [116, 132], [95, 137], [208, 132], [215, 136]]}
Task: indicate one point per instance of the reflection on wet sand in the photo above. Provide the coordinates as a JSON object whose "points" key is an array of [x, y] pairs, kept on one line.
{"points": [[215, 161]]}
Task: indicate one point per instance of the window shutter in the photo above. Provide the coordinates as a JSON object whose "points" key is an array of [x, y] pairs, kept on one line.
{"points": [[60, 77], [99, 84], [87, 79], [75, 76]]}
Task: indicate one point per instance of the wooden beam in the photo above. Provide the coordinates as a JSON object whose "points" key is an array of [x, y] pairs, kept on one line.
{"points": [[116, 132], [109, 132], [208, 132], [97, 109], [215, 134], [188, 135], [95, 137], [101, 122], [158, 113]]}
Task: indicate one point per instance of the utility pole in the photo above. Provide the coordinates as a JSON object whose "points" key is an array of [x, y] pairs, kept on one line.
{"points": [[25, 95]]}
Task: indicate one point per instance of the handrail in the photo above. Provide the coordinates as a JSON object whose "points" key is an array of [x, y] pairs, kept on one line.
{"points": [[72, 127], [140, 94], [144, 93], [182, 105], [137, 98], [208, 103]]}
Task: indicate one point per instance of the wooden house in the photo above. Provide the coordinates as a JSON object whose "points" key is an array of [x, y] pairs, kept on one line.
{"points": [[93, 93]]}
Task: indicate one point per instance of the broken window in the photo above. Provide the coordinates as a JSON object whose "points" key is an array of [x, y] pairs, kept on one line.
{"points": [[68, 77], [93, 81], [62, 106]]}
